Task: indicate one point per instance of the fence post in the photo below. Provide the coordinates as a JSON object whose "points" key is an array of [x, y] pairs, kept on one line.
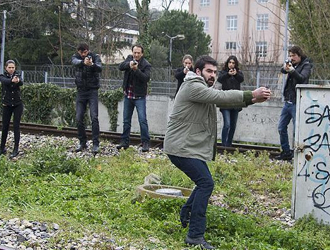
{"points": [[46, 77], [258, 77]]}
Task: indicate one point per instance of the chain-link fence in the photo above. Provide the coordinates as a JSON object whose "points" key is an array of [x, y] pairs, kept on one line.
{"points": [[163, 81]]}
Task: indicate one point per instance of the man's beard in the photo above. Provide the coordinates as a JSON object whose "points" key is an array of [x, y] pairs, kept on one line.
{"points": [[209, 81]]}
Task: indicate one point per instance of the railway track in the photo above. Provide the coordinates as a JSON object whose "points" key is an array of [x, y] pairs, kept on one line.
{"points": [[114, 137]]}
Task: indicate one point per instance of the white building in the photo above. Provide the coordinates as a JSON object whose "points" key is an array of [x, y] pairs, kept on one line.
{"points": [[125, 35], [250, 29]]}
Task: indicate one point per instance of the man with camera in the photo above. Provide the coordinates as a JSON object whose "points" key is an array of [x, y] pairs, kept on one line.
{"points": [[135, 86], [88, 66], [298, 68]]}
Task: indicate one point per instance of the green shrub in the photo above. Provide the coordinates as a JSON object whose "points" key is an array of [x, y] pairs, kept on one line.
{"points": [[52, 159], [110, 99], [46, 102]]}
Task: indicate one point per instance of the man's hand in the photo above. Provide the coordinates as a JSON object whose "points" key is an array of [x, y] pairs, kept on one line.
{"points": [[288, 67], [261, 94], [88, 61], [134, 65]]}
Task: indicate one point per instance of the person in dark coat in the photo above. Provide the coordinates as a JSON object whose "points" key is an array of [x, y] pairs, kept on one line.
{"points": [[181, 72], [230, 78], [12, 105], [135, 85], [88, 67], [298, 70]]}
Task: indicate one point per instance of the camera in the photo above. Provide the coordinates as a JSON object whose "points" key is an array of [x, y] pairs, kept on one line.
{"points": [[134, 62]]}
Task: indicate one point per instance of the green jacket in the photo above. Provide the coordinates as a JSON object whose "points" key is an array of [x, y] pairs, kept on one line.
{"points": [[192, 127]]}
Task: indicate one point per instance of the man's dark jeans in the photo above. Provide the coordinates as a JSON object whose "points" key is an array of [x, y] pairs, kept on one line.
{"points": [[89, 97], [288, 113], [198, 172], [129, 105]]}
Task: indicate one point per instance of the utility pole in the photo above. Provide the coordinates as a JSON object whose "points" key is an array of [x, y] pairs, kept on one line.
{"points": [[285, 47], [2, 63]]}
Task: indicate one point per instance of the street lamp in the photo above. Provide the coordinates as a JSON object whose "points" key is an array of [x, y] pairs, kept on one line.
{"points": [[180, 37], [2, 57]]}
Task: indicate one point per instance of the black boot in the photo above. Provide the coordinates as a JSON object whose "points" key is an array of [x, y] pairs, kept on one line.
{"points": [[81, 147], [200, 241], [3, 151], [123, 144], [95, 149], [145, 146], [14, 153]]}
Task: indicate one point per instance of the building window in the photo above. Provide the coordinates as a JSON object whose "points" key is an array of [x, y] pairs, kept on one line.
{"points": [[262, 22], [262, 1], [128, 38], [205, 3], [231, 45], [261, 49], [205, 20], [232, 2], [231, 22]]}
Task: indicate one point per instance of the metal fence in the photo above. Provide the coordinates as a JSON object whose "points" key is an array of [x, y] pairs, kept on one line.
{"points": [[162, 81]]}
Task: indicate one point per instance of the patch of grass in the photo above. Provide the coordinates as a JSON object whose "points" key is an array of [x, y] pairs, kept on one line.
{"points": [[99, 195]]}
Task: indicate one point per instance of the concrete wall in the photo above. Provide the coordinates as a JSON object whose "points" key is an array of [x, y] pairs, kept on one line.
{"points": [[257, 123]]}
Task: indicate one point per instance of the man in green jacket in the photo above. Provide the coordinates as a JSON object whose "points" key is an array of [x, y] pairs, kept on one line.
{"points": [[191, 137]]}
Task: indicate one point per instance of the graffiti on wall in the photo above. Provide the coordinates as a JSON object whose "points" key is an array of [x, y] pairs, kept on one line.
{"points": [[315, 167]]}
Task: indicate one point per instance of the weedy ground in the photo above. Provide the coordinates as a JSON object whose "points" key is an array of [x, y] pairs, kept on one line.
{"points": [[99, 195]]}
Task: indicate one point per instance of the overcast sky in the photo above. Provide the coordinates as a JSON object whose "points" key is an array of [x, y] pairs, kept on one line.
{"points": [[158, 4]]}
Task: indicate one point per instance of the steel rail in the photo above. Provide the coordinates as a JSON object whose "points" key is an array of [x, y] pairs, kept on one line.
{"points": [[114, 137]]}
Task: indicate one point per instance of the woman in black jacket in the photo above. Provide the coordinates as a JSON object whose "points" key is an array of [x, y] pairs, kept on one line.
{"points": [[180, 73], [11, 104], [230, 77]]}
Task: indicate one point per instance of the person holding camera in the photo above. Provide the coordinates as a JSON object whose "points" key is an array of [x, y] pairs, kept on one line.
{"points": [[230, 77], [181, 72], [135, 87], [11, 105], [88, 67], [191, 138], [298, 68]]}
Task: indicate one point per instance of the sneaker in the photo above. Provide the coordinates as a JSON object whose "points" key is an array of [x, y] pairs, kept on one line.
{"points": [[200, 241], [285, 155], [14, 153], [81, 147], [95, 149], [145, 146], [3, 151], [123, 145]]}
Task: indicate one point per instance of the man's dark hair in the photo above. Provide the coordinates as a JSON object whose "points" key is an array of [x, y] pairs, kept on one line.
{"points": [[201, 61], [139, 46], [83, 47], [297, 50]]}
